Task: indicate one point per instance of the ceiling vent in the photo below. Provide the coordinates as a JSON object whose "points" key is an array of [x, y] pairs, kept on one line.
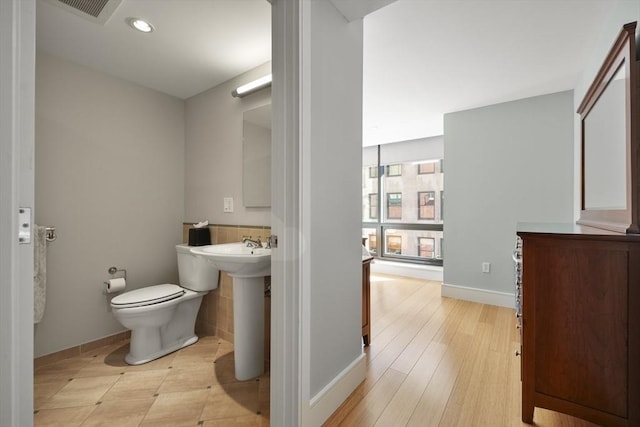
{"points": [[98, 11]]}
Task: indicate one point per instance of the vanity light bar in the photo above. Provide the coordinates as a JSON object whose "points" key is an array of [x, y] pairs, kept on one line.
{"points": [[251, 87]]}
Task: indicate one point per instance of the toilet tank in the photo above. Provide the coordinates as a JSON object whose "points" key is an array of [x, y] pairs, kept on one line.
{"points": [[195, 272]]}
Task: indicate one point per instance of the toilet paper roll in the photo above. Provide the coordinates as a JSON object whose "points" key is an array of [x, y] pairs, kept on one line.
{"points": [[115, 285]]}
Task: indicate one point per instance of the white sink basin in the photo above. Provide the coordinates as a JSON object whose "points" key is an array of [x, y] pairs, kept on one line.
{"points": [[237, 259]]}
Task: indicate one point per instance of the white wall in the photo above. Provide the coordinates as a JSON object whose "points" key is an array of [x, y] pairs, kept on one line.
{"points": [[505, 163], [109, 177], [622, 12], [213, 152]]}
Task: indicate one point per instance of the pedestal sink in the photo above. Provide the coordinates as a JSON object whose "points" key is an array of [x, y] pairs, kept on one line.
{"points": [[247, 266]]}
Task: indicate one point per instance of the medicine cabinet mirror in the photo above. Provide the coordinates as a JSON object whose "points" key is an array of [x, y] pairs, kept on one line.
{"points": [[610, 141], [256, 157]]}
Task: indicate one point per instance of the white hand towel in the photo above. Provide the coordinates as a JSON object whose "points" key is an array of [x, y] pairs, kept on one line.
{"points": [[39, 272]]}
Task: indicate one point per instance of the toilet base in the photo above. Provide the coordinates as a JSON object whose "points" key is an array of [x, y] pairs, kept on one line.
{"points": [[133, 360]]}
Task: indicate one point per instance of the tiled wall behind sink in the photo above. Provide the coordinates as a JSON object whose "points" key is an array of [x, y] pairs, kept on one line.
{"points": [[216, 312]]}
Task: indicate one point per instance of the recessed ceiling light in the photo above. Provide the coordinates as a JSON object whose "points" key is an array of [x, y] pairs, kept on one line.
{"points": [[140, 25]]}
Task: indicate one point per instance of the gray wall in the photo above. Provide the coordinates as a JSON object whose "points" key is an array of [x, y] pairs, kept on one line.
{"points": [[505, 163], [256, 165], [118, 169], [331, 177], [213, 152], [110, 178]]}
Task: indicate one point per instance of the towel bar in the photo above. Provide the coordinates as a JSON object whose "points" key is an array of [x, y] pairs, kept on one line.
{"points": [[50, 234]]}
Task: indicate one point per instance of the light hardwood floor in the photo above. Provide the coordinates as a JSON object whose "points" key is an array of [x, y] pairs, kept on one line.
{"points": [[432, 362], [437, 361]]}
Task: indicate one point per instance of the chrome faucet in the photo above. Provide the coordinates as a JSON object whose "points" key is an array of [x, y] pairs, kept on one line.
{"points": [[251, 243]]}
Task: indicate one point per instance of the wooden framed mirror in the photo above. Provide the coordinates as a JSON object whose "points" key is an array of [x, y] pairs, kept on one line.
{"points": [[610, 144]]}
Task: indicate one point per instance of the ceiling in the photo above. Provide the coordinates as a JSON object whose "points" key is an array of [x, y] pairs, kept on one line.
{"points": [[196, 45], [422, 58]]}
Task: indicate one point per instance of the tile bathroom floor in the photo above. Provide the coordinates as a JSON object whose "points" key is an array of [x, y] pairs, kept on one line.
{"points": [[194, 386]]}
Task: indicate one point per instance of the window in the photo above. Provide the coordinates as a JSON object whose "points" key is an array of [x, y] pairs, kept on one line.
{"points": [[394, 170], [373, 243], [442, 205], [426, 247], [394, 244], [427, 205], [408, 243], [401, 216], [394, 205], [373, 205], [424, 168]]}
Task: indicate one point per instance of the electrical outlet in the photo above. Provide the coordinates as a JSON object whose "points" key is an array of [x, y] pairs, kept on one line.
{"points": [[228, 204], [486, 267]]}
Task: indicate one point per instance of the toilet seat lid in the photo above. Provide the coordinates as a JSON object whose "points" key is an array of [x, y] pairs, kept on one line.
{"points": [[147, 296]]}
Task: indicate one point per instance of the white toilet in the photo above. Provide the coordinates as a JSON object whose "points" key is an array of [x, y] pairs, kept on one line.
{"points": [[162, 318]]}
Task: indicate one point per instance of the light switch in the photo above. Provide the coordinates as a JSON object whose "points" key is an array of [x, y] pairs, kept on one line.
{"points": [[228, 204], [486, 267]]}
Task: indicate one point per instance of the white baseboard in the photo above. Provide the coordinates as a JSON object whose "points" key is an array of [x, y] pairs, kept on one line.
{"points": [[417, 271], [323, 404], [484, 296]]}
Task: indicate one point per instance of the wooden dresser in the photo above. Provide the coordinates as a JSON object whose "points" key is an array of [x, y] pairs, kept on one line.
{"points": [[580, 317]]}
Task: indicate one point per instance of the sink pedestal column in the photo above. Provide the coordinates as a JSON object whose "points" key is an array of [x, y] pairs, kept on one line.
{"points": [[248, 326]]}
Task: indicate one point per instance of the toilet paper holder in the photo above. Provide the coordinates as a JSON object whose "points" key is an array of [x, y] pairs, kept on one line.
{"points": [[114, 270]]}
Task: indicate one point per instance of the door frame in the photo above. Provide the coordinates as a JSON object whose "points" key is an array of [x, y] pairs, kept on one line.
{"points": [[17, 106], [285, 215]]}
